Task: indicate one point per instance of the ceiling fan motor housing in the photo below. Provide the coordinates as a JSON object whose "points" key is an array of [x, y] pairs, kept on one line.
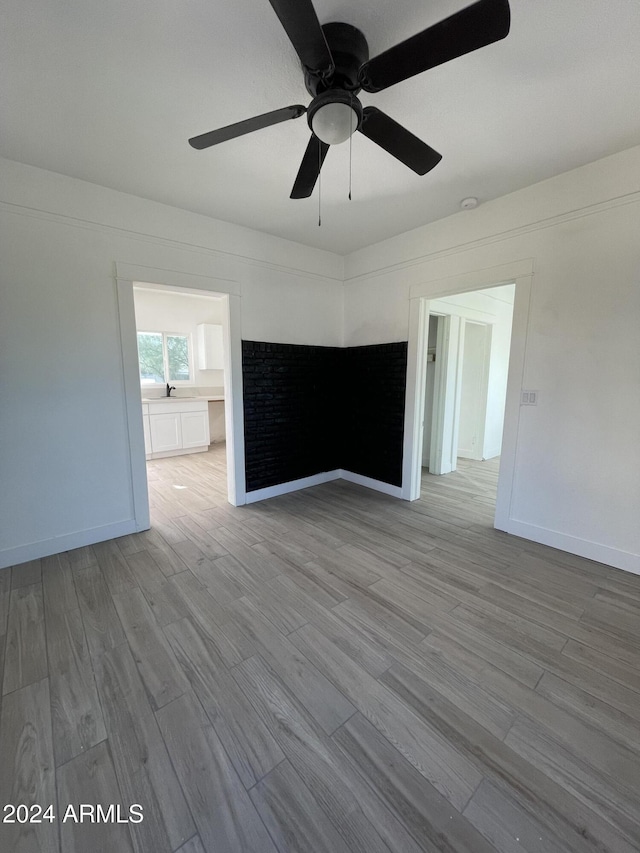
{"points": [[349, 50]]}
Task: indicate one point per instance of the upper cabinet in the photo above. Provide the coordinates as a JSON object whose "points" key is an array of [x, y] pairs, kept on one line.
{"points": [[210, 348]]}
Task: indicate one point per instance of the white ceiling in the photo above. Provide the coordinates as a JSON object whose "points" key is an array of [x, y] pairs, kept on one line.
{"points": [[110, 92]]}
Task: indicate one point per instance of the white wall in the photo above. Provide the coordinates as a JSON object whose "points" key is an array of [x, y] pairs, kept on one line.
{"points": [[577, 454], [473, 389], [65, 462]]}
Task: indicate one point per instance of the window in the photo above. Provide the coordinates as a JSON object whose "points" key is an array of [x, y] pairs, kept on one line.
{"points": [[164, 357]]}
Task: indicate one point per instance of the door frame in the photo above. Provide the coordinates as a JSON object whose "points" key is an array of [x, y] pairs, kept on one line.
{"points": [[519, 273], [229, 291], [446, 394]]}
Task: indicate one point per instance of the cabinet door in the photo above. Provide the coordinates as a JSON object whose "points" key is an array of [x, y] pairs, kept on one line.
{"points": [[166, 432], [147, 434], [195, 429]]}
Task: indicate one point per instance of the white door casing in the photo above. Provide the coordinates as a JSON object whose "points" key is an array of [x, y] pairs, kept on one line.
{"points": [[518, 272]]}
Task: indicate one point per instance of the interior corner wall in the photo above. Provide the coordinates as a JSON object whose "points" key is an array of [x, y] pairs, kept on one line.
{"points": [[292, 398], [577, 455], [312, 410], [65, 465], [373, 395]]}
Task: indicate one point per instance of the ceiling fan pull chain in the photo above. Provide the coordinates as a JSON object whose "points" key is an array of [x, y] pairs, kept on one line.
{"points": [[319, 184], [350, 146]]}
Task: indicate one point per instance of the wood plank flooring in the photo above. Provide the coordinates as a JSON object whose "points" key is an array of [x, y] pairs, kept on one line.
{"points": [[331, 670]]}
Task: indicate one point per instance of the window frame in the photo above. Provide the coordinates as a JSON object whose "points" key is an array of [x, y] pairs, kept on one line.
{"points": [[148, 383]]}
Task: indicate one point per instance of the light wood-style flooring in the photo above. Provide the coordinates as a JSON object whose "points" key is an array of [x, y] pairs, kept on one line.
{"points": [[329, 671]]}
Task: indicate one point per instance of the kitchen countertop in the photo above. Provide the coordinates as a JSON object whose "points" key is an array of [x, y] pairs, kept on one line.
{"points": [[210, 398]]}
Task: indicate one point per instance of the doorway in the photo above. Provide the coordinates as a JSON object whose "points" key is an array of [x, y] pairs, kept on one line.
{"points": [[181, 356], [467, 357], [226, 294], [435, 297]]}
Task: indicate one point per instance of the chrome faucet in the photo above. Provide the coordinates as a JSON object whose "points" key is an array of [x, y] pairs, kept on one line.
{"points": [[170, 388]]}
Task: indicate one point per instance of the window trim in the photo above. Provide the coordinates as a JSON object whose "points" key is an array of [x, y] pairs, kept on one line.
{"points": [[147, 383]]}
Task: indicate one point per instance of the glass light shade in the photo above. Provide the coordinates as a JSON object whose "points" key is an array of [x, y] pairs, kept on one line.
{"points": [[334, 123]]}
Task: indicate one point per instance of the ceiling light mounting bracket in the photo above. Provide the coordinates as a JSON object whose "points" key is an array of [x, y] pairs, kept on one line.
{"points": [[350, 50]]}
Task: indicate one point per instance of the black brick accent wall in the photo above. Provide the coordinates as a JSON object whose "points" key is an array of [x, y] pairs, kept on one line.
{"points": [[309, 409], [374, 387], [290, 409]]}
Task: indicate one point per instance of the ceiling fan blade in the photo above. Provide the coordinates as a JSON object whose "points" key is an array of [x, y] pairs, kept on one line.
{"points": [[398, 141], [301, 24], [476, 26], [309, 168], [231, 131]]}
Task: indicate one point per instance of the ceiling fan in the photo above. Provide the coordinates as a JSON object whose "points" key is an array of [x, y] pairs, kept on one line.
{"points": [[336, 65]]}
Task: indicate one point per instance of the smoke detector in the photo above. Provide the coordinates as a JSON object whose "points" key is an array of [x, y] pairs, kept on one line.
{"points": [[469, 203]]}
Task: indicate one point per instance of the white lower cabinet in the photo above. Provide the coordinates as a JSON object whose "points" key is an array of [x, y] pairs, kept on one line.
{"points": [[166, 432], [195, 428], [173, 427]]}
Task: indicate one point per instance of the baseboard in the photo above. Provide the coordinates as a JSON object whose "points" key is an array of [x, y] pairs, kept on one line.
{"points": [[47, 547], [491, 453], [624, 560], [377, 485], [466, 454], [291, 486], [185, 451]]}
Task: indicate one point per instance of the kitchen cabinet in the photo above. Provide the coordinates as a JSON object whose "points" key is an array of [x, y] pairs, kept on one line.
{"points": [[175, 426], [195, 428], [166, 432]]}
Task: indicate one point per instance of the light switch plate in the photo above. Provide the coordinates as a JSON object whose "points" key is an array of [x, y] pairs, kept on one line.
{"points": [[529, 398]]}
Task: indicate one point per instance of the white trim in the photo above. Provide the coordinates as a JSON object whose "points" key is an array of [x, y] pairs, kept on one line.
{"points": [[376, 485], [491, 453], [170, 279], [317, 480], [185, 451], [413, 417], [291, 486], [549, 222], [507, 234], [624, 560], [195, 248], [517, 353], [441, 288], [234, 405], [48, 547], [133, 408]]}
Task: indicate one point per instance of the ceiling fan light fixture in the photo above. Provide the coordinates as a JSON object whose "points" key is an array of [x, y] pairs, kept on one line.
{"points": [[334, 116], [334, 123]]}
